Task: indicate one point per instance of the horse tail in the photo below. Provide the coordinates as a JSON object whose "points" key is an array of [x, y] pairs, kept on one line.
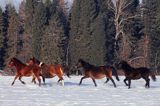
{"points": [[114, 71], [153, 76]]}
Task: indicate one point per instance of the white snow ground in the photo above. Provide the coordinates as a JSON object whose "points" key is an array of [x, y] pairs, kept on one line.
{"points": [[52, 94]]}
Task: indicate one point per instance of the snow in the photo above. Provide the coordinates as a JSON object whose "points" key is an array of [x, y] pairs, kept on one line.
{"points": [[71, 94]]}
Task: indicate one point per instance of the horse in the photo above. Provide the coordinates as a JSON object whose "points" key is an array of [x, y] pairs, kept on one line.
{"points": [[49, 71], [132, 73], [95, 72], [24, 70]]}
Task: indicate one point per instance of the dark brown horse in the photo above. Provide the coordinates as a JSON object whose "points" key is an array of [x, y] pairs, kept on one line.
{"points": [[132, 73], [25, 70], [95, 72], [49, 71]]}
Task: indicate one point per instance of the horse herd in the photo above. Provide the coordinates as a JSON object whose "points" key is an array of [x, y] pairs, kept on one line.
{"points": [[33, 67]]}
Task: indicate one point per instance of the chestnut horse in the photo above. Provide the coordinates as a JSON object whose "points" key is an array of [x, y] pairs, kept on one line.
{"points": [[49, 71], [25, 70], [95, 72], [132, 73]]}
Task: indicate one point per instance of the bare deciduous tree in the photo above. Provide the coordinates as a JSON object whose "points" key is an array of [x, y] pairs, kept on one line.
{"points": [[121, 16]]}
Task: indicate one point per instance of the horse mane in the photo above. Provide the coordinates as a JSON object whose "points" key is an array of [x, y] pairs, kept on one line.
{"points": [[86, 64], [17, 60], [126, 66], [35, 60]]}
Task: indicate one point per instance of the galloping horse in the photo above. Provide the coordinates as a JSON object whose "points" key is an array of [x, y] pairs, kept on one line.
{"points": [[49, 71], [135, 73], [95, 72], [25, 70]]}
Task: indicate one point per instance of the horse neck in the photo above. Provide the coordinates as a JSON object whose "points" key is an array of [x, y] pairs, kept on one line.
{"points": [[44, 65], [87, 65], [19, 65], [127, 67]]}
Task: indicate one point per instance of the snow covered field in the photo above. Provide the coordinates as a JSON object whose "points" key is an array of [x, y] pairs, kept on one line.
{"points": [[72, 94]]}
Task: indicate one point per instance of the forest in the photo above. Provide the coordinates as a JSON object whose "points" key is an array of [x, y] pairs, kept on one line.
{"points": [[98, 31]]}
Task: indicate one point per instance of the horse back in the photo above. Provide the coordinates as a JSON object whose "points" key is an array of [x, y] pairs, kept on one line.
{"points": [[101, 71], [56, 70]]}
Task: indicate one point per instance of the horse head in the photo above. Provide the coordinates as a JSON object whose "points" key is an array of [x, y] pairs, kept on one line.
{"points": [[11, 63], [80, 63], [121, 64]]}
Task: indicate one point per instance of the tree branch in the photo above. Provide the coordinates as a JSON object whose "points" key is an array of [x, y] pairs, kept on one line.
{"points": [[139, 57], [111, 5], [125, 19]]}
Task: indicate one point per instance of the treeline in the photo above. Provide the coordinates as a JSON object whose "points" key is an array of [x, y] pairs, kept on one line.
{"points": [[98, 31]]}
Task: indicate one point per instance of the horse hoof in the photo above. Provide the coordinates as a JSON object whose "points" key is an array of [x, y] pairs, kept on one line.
{"points": [[23, 83]]}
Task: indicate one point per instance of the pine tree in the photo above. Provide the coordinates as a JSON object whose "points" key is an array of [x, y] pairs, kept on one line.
{"points": [[151, 22], [12, 34], [24, 44], [53, 50], [1, 39], [87, 35], [39, 22]]}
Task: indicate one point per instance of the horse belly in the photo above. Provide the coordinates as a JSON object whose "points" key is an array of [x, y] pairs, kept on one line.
{"points": [[28, 74], [99, 76], [48, 75], [25, 73]]}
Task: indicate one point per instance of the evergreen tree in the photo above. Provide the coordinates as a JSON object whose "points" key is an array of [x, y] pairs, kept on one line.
{"points": [[24, 43], [151, 22], [12, 34], [39, 22], [1, 39], [53, 50], [87, 35]]}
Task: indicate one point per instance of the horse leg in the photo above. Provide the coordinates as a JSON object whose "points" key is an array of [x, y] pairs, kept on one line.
{"points": [[20, 78], [125, 81], [94, 82], [61, 79], [113, 81], [43, 78], [106, 80], [82, 79], [129, 83], [147, 83], [15, 79], [34, 80], [38, 78]]}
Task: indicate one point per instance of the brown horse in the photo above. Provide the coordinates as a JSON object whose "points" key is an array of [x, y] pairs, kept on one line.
{"points": [[25, 70], [135, 73], [49, 71], [95, 72]]}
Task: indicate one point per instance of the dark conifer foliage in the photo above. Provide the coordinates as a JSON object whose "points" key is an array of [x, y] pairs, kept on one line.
{"points": [[13, 30], [87, 35], [1, 38]]}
